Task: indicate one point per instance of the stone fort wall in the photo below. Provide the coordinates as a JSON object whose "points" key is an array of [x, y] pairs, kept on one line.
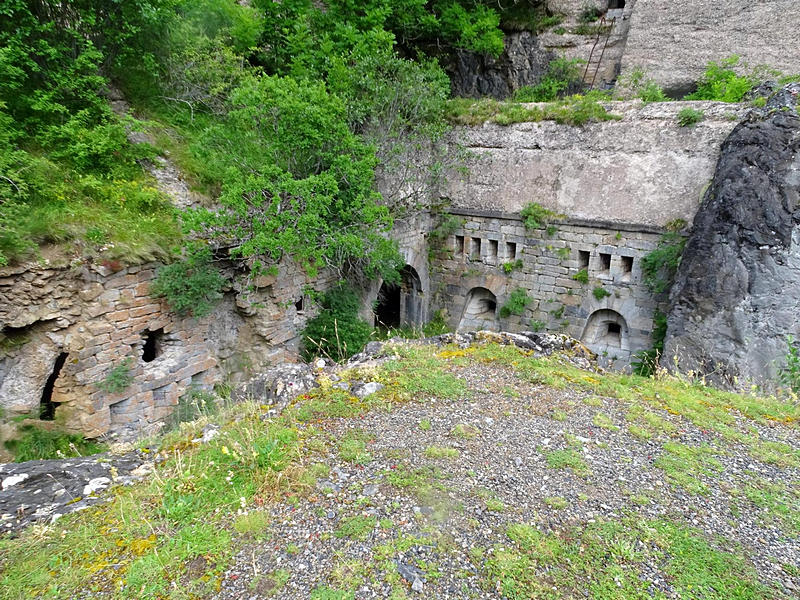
{"points": [[478, 271]]}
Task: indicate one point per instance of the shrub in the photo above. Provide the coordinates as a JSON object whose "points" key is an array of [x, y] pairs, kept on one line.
{"points": [[42, 444], [660, 265], [509, 267], [720, 82], [690, 116], [192, 286], [790, 374], [646, 361], [639, 85], [119, 378], [582, 276], [436, 326], [600, 292], [563, 76], [536, 216], [336, 332], [589, 13], [516, 303]]}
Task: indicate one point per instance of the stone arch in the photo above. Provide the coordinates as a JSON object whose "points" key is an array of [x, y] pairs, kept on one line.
{"points": [[400, 305], [607, 331], [480, 310]]}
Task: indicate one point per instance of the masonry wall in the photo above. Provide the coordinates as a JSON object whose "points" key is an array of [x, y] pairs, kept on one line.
{"points": [[477, 253], [69, 328]]}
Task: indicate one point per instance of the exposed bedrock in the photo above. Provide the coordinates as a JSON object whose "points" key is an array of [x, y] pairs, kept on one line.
{"points": [[736, 296], [523, 62]]}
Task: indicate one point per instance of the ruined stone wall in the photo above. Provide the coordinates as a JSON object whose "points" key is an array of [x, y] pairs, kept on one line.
{"points": [[66, 329], [615, 325], [642, 169], [673, 41]]}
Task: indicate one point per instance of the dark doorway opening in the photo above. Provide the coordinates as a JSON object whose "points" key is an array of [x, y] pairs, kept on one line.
{"points": [[47, 408], [612, 4], [153, 341], [387, 313]]}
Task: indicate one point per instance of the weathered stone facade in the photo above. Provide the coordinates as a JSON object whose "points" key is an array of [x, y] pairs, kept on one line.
{"points": [[66, 331], [641, 169], [474, 277]]}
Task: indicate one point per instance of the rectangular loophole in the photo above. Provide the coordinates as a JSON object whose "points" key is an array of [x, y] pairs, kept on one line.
{"points": [[475, 248], [627, 264], [511, 250], [459, 248], [583, 259], [605, 261], [492, 248]]}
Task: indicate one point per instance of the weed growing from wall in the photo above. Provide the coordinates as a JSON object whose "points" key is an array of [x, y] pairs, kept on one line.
{"points": [[690, 116], [516, 303], [600, 292], [581, 276], [536, 216], [790, 374], [191, 286], [119, 378], [646, 361], [511, 266], [660, 265]]}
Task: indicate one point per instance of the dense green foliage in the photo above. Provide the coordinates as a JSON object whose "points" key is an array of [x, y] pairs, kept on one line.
{"points": [[536, 216], [67, 171], [336, 332], [690, 116], [722, 83], [191, 286], [563, 76]]}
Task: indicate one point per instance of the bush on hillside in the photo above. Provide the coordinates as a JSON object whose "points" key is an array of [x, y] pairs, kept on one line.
{"points": [[336, 332]]}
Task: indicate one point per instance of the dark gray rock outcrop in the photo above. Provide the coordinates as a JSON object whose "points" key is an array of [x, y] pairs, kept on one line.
{"points": [[736, 296], [523, 62]]}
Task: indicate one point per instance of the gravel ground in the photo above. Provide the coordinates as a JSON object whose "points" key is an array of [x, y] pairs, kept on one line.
{"points": [[437, 541]]}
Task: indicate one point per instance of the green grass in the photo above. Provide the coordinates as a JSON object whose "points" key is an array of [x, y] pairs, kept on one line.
{"points": [[603, 561], [574, 110], [556, 502], [685, 465], [356, 528], [36, 443], [779, 503], [567, 459], [418, 374], [439, 452], [353, 447], [603, 421]]}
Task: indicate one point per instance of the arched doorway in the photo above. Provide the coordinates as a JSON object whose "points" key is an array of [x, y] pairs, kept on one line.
{"points": [[606, 331], [400, 305], [480, 311]]}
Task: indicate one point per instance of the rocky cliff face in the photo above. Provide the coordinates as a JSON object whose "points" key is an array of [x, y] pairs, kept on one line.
{"points": [[737, 293], [523, 62]]}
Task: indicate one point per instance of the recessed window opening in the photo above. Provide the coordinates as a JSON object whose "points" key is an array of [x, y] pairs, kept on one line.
{"points": [[511, 250], [153, 342], [627, 264], [614, 329], [488, 306], [47, 410], [583, 259], [492, 248], [475, 248], [605, 262], [459, 245], [298, 306]]}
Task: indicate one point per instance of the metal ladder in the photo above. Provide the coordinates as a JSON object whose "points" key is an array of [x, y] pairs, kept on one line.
{"points": [[610, 28]]}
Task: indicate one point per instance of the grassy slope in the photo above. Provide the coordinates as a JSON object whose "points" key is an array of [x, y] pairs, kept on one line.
{"points": [[175, 536]]}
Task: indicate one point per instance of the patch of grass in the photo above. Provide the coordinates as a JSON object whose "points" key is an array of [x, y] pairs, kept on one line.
{"points": [[253, 524], [440, 452], [36, 443], [567, 459], [356, 528], [495, 505], [607, 560], [556, 502], [575, 110], [690, 116], [329, 402], [684, 466], [353, 447], [600, 292], [425, 424], [418, 374], [326, 593], [465, 431], [780, 503], [603, 421], [558, 415]]}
